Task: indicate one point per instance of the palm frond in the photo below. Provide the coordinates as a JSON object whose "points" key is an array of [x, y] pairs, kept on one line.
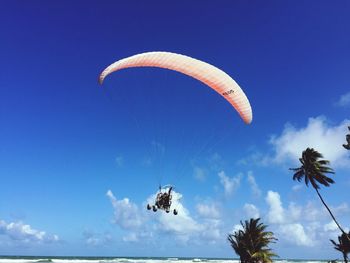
{"points": [[251, 243]]}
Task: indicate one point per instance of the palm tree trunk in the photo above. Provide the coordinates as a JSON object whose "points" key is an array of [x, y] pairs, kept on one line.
{"points": [[341, 229], [345, 258]]}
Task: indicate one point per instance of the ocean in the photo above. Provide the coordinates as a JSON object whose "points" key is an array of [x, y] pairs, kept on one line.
{"points": [[29, 259]]}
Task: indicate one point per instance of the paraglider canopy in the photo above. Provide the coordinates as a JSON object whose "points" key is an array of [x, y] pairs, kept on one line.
{"points": [[212, 76]]}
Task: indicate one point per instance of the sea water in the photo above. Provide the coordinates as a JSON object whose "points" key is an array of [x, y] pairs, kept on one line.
{"points": [[19, 259]]}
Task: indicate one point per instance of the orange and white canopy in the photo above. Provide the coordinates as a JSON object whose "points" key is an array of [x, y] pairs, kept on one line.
{"points": [[212, 76]]}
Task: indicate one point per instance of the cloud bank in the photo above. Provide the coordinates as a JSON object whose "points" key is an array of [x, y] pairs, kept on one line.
{"points": [[344, 100], [18, 231], [306, 226], [318, 134], [140, 224], [230, 184]]}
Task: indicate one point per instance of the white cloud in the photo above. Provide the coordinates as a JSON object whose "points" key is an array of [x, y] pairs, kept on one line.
{"points": [[284, 220], [131, 237], [208, 210], [92, 241], [297, 187], [301, 225], [253, 185], [199, 173], [19, 231], [96, 239], [251, 211], [341, 209], [212, 230], [236, 228], [331, 226], [182, 225], [314, 211], [344, 100], [318, 134], [144, 234], [256, 158], [216, 162], [276, 212], [126, 213], [294, 211], [230, 184], [141, 226], [204, 225], [295, 233]]}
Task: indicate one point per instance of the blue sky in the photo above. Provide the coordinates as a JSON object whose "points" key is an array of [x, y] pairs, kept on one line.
{"points": [[79, 162]]}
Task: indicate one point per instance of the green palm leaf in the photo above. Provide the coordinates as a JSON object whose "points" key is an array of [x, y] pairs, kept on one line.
{"points": [[251, 243], [314, 170]]}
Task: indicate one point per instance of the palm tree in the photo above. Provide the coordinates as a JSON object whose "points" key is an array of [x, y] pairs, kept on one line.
{"points": [[314, 171], [343, 246], [251, 243]]}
